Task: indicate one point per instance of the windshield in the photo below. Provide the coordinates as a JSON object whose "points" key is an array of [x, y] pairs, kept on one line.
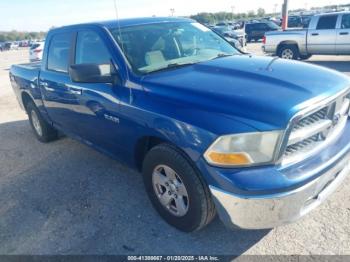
{"points": [[155, 47]]}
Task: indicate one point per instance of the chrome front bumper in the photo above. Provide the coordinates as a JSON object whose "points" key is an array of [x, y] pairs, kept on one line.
{"points": [[268, 211]]}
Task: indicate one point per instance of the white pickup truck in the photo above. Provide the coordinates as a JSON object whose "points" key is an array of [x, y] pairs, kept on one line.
{"points": [[327, 34]]}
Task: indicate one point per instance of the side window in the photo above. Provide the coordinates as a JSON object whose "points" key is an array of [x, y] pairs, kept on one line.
{"points": [[327, 22], [345, 22], [58, 56], [90, 49]]}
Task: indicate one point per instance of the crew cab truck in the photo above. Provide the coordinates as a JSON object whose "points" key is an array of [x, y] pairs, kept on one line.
{"points": [[327, 34], [261, 141]]}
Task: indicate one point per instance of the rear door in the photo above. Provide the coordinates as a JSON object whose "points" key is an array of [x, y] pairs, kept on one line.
{"points": [[343, 36], [60, 100], [322, 39]]}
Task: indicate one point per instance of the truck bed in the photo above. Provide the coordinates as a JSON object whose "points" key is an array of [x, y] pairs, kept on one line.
{"points": [[275, 38], [25, 76], [28, 69]]}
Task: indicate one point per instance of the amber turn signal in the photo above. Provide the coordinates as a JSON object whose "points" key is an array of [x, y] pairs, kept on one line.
{"points": [[229, 158]]}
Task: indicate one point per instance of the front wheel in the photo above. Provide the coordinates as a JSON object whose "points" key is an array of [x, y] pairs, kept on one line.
{"points": [[288, 52], [175, 189]]}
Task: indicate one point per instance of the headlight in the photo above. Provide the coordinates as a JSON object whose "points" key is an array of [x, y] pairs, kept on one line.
{"points": [[245, 149]]}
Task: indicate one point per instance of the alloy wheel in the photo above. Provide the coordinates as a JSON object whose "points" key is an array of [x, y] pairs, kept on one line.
{"points": [[170, 190]]}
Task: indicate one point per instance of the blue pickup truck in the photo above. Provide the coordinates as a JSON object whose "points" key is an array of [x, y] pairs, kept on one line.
{"points": [[259, 141]]}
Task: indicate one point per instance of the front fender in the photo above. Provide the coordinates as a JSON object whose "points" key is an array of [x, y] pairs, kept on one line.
{"points": [[192, 130]]}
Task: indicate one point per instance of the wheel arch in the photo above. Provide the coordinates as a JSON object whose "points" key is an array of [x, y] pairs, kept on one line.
{"points": [[287, 42], [144, 144], [25, 98]]}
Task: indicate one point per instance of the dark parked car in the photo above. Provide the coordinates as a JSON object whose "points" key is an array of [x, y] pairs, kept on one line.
{"points": [[295, 21], [306, 20], [6, 46], [256, 31]]}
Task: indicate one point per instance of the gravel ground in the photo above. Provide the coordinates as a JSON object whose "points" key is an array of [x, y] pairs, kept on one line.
{"points": [[65, 198]]}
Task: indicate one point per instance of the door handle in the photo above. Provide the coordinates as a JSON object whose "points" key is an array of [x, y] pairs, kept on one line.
{"points": [[75, 90], [344, 33], [315, 34], [46, 86]]}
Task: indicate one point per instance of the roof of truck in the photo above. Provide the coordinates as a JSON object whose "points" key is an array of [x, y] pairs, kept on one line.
{"points": [[333, 13], [134, 21]]}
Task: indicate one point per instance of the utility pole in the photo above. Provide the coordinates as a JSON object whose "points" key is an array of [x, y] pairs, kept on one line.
{"points": [[275, 8], [285, 15], [233, 11], [172, 11]]}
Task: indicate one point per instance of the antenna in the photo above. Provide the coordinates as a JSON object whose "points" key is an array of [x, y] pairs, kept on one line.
{"points": [[118, 23], [122, 47]]}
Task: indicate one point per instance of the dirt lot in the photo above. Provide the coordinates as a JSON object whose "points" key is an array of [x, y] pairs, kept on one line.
{"points": [[65, 198]]}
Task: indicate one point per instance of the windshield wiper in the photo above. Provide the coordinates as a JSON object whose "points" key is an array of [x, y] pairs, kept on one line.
{"points": [[171, 66], [221, 55]]}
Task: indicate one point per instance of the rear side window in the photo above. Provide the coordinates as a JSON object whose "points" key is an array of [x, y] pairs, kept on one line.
{"points": [[327, 22], [90, 49], [345, 23], [58, 56]]}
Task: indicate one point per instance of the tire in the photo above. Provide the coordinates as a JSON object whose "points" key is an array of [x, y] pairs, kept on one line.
{"points": [[288, 52], [200, 209], [43, 131], [305, 57]]}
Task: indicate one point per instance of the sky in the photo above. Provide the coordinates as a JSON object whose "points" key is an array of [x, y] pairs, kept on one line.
{"points": [[37, 15]]}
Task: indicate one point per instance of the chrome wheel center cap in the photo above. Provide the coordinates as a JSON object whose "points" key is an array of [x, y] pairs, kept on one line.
{"points": [[172, 188]]}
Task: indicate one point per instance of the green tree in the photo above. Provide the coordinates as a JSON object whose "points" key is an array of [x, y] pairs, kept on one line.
{"points": [[251, 14], [17, 36], [261, 12]]}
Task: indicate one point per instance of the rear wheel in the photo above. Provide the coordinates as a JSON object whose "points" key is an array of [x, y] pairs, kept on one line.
{"points": [[42, 130], [288, 52], [176, 190]]}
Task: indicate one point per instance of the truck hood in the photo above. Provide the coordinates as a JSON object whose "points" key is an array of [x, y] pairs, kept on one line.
{"points": [[262, 92]]}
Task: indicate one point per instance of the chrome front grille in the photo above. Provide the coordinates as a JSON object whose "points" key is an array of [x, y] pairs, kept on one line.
{"points": [[303, 145], [310, 133], [312, 119]]}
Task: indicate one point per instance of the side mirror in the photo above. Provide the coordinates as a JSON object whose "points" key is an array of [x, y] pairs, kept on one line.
{"points": [[93, 73]]}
